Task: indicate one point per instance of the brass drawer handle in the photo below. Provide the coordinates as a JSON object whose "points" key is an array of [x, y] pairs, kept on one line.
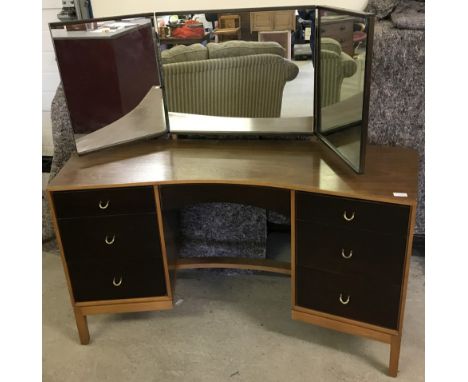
{"points": [[344, 255], [348, 219], [117, 283], [109, 242], [103, 206], [344, 302]]}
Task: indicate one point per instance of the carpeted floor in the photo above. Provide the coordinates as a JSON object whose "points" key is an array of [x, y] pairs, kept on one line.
{"points": [[223, 328]]}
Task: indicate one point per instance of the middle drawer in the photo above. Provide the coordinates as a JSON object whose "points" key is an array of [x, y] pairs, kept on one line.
{"points": [[349, 251], [123, 237]]}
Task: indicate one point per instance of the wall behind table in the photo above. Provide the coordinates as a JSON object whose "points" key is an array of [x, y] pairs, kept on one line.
{"points": [[103, 8]]}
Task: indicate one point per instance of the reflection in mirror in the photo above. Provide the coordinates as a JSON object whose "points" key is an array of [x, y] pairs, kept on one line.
{"points": [[253, 66], [111, 80], [343, 50]]}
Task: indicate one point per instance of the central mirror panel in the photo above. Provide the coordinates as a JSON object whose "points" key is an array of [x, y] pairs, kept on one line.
{"points": [[246, 71]]}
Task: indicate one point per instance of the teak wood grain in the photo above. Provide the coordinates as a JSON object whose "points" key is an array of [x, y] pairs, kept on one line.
{"points": [[235, 263], [341, 326], [293, 247], [125, 307], [294, 165], [288, 165], [162, 239], [363, 325]]}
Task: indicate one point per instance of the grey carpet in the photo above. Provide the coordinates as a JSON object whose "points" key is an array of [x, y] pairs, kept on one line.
{"points": [[226, 328]]}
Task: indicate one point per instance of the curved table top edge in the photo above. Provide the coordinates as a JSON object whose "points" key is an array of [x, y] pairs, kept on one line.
{"points": [[321, 171]]}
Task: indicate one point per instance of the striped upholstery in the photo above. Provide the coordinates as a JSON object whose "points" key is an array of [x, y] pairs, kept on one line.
{"points": [[246, 86], [181, 53], [327, 43], [244, 48], [335, 65]]}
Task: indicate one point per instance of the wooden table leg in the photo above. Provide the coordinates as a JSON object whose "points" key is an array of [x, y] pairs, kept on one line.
{"points": [[82, 326], [394, 356]]}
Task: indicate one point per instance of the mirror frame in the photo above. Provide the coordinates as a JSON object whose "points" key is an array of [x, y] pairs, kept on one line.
{"points": [[315, 57]]}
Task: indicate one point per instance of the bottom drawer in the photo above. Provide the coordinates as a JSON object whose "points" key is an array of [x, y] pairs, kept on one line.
{"points": [[111, 280], [359, 299]]}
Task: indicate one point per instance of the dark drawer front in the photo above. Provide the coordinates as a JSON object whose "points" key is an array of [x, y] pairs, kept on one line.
{"points": [[92, 282], [369, 300], [179, 196], [350, 251], [104, 202], [353, 213], [125, 237]]}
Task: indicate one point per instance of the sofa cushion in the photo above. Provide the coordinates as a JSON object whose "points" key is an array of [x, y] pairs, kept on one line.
{"points": [[248, 86], [409, 14], [382, 8], [182, 53], [243, 48]]}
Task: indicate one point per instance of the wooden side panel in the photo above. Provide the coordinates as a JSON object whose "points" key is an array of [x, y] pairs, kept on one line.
{"points": [[169, 283], [137, 68], [53, 217], [104, 79], [293, 247], [409, 251]]}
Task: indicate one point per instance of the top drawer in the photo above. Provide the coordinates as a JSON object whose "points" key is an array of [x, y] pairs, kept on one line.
{"points": [[353, 213], [104, 202]]}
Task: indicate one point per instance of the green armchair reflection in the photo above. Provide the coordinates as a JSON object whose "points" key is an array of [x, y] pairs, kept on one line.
{"points": [[335, 66]]}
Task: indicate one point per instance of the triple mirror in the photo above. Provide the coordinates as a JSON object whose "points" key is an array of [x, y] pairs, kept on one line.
{"points": [[263, 72]]}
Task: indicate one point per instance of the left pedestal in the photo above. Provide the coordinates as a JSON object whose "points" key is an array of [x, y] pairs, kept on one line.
{"points": [[112, 252]]}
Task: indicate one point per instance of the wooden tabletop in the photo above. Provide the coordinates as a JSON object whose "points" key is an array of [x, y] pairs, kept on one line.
{"points": [[297, 165]]}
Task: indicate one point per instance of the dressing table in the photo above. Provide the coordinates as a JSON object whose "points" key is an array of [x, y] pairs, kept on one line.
{"points": [[117, 212], [115, 217]]}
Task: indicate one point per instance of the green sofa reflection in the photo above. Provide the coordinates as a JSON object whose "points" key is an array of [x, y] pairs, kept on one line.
{"points": [[231, 79]]}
